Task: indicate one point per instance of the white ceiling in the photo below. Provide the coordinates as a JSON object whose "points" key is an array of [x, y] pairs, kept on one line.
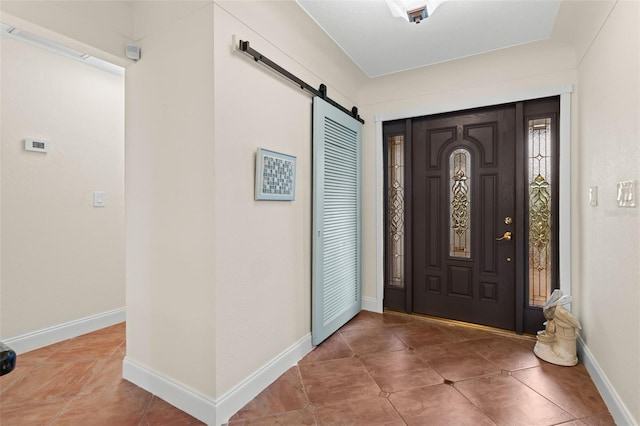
{"points": [[381, 44]]}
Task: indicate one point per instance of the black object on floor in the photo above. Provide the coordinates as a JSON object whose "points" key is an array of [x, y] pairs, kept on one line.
{"points": [[7, 359]]}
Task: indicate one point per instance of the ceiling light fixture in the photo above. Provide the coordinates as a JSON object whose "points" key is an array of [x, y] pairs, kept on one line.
{"points": [[413, 11]]}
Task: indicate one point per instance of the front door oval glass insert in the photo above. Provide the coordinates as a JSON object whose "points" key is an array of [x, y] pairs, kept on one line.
{"points": [[460, 204]]}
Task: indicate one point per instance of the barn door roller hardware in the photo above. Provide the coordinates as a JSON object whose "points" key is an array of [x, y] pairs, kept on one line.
{"points": [[321, 91]]}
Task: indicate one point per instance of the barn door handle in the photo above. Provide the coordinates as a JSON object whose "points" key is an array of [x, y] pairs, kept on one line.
{"points": [[506, 236]]}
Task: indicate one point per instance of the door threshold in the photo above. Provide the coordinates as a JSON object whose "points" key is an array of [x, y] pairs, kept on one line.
{"points": [[446, 321]]}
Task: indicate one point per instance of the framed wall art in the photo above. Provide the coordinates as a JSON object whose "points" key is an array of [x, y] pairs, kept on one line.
{"points": [[275, 176]]}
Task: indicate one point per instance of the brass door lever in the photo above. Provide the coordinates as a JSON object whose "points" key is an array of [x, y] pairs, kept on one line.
{"points": [[506, 236]]}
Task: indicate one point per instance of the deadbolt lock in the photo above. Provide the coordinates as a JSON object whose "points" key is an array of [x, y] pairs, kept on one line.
{"points": [[508, 220]]}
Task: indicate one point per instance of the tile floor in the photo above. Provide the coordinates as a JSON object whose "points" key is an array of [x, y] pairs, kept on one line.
{"points": [[79, 382], [395, 369], [379, 369]]}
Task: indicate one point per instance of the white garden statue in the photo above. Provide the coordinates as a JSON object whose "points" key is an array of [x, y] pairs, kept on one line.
{"points": [[557, 342]]}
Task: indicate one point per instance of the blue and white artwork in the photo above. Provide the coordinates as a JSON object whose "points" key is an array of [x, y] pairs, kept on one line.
{"points": [[275, 176]]}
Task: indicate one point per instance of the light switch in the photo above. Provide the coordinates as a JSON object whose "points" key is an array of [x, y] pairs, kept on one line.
{"points": [[593, 196], [627, 194], [99, 198]]}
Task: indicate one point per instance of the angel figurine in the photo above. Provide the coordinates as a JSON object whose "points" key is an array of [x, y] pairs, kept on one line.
{"points": [[557, 342]]}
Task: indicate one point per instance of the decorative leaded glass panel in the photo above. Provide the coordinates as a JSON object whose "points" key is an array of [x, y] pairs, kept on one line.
{"points": [[460, 172], [395, 212], [539, 181]]}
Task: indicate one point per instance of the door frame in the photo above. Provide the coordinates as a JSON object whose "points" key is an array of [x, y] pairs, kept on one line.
{"points": [[564, 252]]}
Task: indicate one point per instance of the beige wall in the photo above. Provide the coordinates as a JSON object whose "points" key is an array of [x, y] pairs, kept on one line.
{"points": [[197, 272], [263, 248], [62, 259], [170, 196], [608, 236]]}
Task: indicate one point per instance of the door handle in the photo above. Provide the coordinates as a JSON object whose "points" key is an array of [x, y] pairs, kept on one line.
{"points": [[506, 236]]}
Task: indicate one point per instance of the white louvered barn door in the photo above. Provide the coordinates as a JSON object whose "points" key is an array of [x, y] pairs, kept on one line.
{"points": [[336, 281]]}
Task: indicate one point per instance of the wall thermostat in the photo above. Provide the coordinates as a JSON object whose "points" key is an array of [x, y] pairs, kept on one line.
{"points": [[38, 145]]}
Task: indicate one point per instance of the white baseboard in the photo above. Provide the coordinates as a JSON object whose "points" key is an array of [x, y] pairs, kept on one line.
{"points": [[372, 305], [617, 408], [238, 396], [57, 333], [215, 411], [180, 396]]}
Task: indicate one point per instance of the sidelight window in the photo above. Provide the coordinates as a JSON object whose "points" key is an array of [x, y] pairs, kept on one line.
{"points": [[395, 211], [540, 202]]}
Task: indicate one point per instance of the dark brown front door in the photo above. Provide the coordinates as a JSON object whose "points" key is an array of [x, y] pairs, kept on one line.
{"points": [[463, 204]]}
